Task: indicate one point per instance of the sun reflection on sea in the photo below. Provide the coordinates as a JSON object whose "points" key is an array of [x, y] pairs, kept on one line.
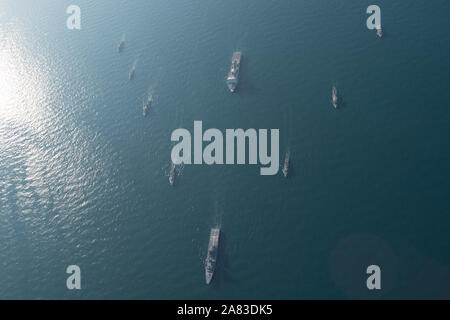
{"points": [[22, 81], [42, 146]]}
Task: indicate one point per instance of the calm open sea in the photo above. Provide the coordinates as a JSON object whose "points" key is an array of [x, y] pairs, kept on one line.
{"points": [[84, 176]]}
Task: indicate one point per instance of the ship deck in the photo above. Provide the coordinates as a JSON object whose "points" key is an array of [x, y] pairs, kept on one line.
{"points": [[237, 56]]}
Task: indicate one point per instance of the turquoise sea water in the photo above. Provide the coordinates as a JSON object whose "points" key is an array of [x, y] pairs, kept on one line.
{"points": [[84, 176]]}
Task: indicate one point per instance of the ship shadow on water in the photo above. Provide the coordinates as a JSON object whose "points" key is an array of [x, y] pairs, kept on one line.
{"points": [[223, 272], [291, 172], [244, 86], [342, 103]]}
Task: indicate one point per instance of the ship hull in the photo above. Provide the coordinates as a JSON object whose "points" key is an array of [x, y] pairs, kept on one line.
{"points": [[379, 31], [120, 47], [233, 74], [286, 165], [172, 175], [335, 98], [211, 259], [232, 87], [146, 106]]}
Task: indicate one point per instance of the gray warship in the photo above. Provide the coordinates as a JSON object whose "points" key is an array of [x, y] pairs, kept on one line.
{"points": [[211, 259], [286, 164], [335, 97], [146, 105], [233, 74]]}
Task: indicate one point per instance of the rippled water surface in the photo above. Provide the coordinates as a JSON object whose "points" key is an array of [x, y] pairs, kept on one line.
{"points": [[84, 176]]}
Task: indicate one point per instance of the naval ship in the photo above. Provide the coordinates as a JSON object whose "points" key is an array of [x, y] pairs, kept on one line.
{"points": [[286, 164], [233, 75], [131, 74], [379, 31], [211, 259], [120, 46], [172, 175], [335, 98], [146, 105]]}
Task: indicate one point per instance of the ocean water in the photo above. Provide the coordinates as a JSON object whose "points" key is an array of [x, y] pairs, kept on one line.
{"points": [[84, 176]]}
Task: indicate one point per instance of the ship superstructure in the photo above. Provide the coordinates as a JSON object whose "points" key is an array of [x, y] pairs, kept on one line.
{"points": [[233, 74]]}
